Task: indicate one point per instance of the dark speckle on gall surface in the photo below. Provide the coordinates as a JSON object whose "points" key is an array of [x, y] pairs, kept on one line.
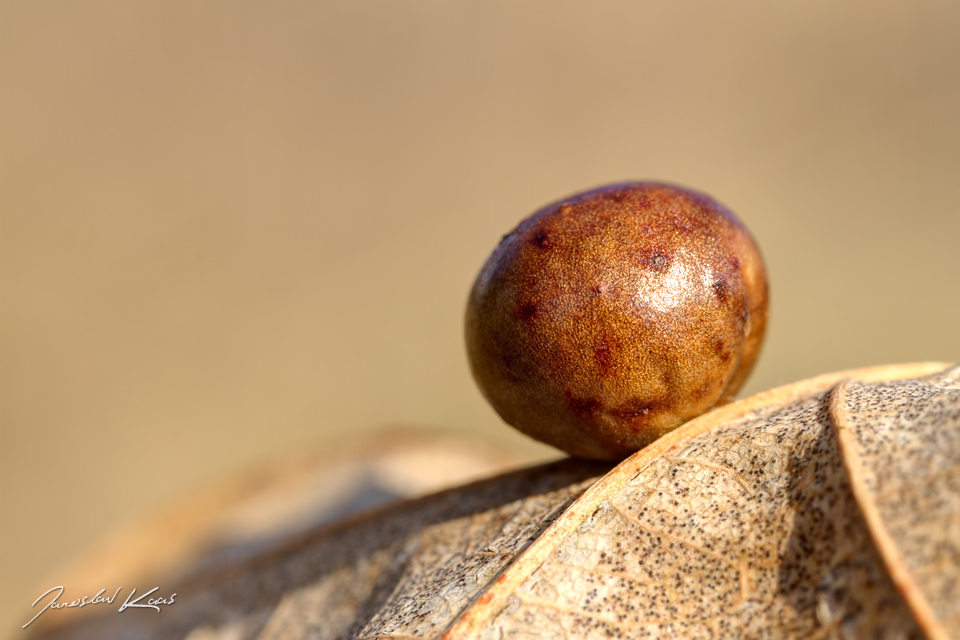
{"points": [[659, 261], [720, 290], [703, 390], [656, 260], [721, 350], [541, 239], [583, 405], [604, 358], [615, 196], [527, 311]]}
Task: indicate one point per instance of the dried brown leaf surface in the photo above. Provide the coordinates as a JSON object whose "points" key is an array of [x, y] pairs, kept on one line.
{"points": [[901, 446], [824, 509], [257, 507]]}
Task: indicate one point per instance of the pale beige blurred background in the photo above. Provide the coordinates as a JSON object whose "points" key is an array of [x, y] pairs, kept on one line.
{"points": [[235, 229]]}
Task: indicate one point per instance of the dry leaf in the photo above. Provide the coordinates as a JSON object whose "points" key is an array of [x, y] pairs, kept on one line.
{"points": [[256, 508], [754, 520], [901, 447]]}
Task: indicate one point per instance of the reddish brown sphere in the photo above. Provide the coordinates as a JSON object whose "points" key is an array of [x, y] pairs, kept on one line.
{"points": [[611, 317]]}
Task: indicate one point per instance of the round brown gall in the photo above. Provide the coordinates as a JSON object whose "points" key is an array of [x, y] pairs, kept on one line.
{"points": [[611, 317]]}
